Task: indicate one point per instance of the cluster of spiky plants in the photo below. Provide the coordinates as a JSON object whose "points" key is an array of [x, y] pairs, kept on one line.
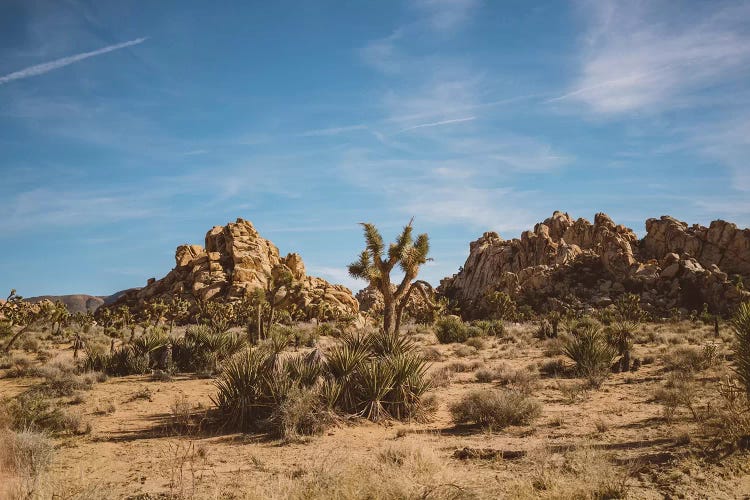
{"points": [[374, 376], [587, 346], [122, 361], [202, 349], [199, 350]]}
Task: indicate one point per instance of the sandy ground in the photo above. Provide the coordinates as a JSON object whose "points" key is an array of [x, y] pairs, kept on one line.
{"points": [[134, 451]]}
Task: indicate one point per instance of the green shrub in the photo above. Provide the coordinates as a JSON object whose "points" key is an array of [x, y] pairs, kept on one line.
{"points": [[589, 349], [492, 328], [495, 409], [451, 329]]}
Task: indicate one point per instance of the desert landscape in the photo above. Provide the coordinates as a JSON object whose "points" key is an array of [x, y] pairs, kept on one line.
{"points": [[374, 250], [575, 362]]}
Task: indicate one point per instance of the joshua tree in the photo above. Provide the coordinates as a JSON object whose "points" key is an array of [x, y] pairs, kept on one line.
{"points": [[375, 266], [177, 310], [19, 313]]}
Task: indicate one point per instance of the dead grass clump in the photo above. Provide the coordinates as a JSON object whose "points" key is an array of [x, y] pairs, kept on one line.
{"points": [[553, 367], [495, 409], [430, 353], [524, 381], [25, 456], [685, 359], [396, 472], [31, 410], [442, 377], [485, 375], [476, 342], [573, 392], [302, 413], [60, 380], [19, 366], [582, 473], [678, 390]]}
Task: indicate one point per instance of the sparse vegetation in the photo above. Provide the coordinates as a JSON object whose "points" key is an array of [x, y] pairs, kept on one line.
{"points": [[495, 409]]}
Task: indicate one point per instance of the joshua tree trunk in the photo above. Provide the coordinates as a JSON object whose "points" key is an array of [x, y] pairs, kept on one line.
{"points": [[625, 361], [716, 326], [15, 337]]}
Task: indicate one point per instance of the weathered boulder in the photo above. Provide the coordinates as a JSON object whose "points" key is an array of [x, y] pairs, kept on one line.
{"points": [[235, 261], [585, 264], [722, 243]]}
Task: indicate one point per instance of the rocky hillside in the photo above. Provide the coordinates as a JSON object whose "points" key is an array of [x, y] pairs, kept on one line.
{"points": [[74, 303], [589, 265], [235, 261]]}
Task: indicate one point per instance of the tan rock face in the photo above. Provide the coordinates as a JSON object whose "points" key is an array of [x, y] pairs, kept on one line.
{"points": [[722, 243], [591, 264], [235, 261]]}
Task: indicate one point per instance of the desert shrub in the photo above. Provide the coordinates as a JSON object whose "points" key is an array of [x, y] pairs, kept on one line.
{"points": [[485, 375], [495, 409], [685, 359], [121, 362], [730, 418], [202, 350], [32, 411], [442, 377], [493, 328], [544, 330], [302, 413], [27, 455], [383, 343], [523, 381], [20, 366], [305, 337], [678, 390], [430, 353], [619, 335], [30, 344], [62, 381], [741, 327], [500, 306], [247, 390], [374, 377], [476, 342], [552, 367], [628, 307], [588, 348], [327, 329], [451, 329]]}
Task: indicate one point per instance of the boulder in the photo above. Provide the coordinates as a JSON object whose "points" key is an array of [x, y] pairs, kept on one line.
{"points": [[563, 261], [235, 261]]}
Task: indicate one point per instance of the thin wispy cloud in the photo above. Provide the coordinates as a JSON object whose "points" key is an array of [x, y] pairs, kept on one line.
{"points": [[40, 69], [440, 123], [638, 58]]}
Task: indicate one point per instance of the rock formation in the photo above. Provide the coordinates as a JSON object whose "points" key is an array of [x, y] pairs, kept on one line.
{"points": [[585, 264], [235, 261]]}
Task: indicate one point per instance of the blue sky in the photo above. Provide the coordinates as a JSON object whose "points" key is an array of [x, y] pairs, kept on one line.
{"points": [[130, 127]]}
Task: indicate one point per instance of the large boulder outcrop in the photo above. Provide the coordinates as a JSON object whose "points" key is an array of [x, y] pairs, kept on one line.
{"points": [[235, 261], [722, 243], [590, 265]]}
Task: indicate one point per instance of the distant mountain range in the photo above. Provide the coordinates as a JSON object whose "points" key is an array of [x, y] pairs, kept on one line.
{"points": [[80, 302]]}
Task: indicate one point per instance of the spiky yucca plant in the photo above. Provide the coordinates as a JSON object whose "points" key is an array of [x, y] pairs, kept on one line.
{"points": [[741, 327], [246, 391], [374, 382], [589, 349]]}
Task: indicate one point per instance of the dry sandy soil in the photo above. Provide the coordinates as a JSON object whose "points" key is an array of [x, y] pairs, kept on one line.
{"points": [[585, 444]]}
